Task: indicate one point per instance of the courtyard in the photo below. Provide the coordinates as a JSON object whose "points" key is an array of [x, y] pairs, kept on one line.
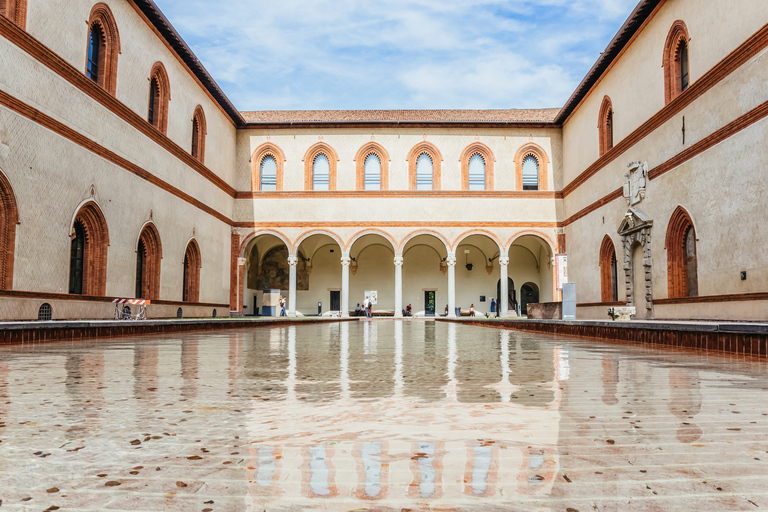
{"points": [[379, 415]]}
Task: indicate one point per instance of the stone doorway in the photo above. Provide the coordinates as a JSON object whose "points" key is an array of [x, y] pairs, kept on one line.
{"points": [[635, 233]]}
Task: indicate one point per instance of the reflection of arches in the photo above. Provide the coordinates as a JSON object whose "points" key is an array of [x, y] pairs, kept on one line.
{"points": [[149, 252], [682, 279], [191, 281], [529, 294], [90, 238], [511, 294], [609, 290], [9, 217]]}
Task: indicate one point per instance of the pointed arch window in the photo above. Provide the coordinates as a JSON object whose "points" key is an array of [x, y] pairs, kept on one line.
{"points": [[372, 167], [76, 257], [199, 131], [267, 168], [531, 162], [88, 252], [95, 38], [9, 217], [424, 172], [605, 126], [149, 252], [477, 167], [676, 61], [191, 281], [476, 172], [424, 162], [682, 265], [609, 278], [103, 48], [320, 167], [321, 173], [372, 172], [268, 174], [159, 96], [530, 173]]}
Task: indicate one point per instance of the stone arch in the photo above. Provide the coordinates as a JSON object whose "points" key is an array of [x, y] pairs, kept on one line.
{"points": [[682, 279], [256, 234], [90, 219], [109, 46], [532, 232], [437, 159], [159, 97], [480, 232], [304, 236], [149, 253], [414, 234], [605, 126], [360, 234], [477, 148], [192, 263], [676, 40], [199, 131], [16, 11], [608, 271], [9, 217], [309, 159], [368, 149], [261, 152], [536, 151]]}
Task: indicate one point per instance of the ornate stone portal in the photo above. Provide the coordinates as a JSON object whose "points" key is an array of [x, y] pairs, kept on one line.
{"points": [[635, 229]]}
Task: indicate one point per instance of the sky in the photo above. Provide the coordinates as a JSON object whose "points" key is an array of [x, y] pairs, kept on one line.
{"points": [[397, 54]]}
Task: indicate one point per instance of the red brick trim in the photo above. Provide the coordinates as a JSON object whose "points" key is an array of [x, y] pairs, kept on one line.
{"points": [[94, 225], [400, 224], [677, 269], [605, 126], [532, 149], [477, 148], [44, 296], [676, 39], [607, 259], [151, 250], [733, 297], [309, 161], [266, 149], [199, 132], [9, 217], [159, 76], [437, 194], [16, 11], [437, 159], [602, 304], [363, 153], [102, 17], [234, 299], [192, 263]]}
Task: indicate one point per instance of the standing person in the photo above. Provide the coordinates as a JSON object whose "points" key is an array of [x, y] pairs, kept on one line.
{"points": [[367, 307], [282, 306], [446, 310], [472, 310], [493, 305], [408, 310]]}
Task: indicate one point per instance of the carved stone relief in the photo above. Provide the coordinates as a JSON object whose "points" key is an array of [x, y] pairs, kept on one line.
{"points": [[636, 229]]}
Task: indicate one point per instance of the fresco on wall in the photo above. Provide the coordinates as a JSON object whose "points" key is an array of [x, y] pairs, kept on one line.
{"points": [[273, 272]]}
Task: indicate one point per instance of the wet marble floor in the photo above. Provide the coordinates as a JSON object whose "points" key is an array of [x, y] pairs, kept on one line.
{"points": [[383, 415]]}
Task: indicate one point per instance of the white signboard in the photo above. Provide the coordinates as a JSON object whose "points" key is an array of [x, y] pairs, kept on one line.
{"points": [[373, 295], [561, 262]]}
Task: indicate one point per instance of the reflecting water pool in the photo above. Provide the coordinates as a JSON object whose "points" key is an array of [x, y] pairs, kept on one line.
{"points": [[382, 415]]}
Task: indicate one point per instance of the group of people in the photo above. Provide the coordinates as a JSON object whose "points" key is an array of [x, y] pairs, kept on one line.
{"points": [[366, 310]]}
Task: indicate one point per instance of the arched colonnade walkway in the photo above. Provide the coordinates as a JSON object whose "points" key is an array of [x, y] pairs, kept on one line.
{"points": [[423, 268]]}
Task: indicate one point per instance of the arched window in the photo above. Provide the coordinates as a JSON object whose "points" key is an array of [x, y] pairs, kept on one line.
{"points": [[531, 164], [321, 173], [682, 266], [9, 217], [476, 172], [676, 61], [192, 263], [372, 172], [149, 252], [15, 10], [88, 252], [424, 167], [199, 131], [267, 168], [477, 167], [159, 96], [609, 279], [103, 48], [268, 174], [605, 126]]}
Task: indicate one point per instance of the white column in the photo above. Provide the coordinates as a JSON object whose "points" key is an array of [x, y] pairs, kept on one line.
{"points": [[451, 261], [503, 303], [345, 261], [293, 261], [398, 286]]}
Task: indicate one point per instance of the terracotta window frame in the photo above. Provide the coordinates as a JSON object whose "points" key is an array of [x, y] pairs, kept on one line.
{"points": [[536, 151], [605, 126], [261, 152], [607, 262], [9, 218], [149, 248], [477, 148], [101, 18], [437, 160], [158, 106], [192, 263], [91, 219], [677, 266], [677, 37], [309, 160], [16, 12], [371, 148], [199, 132]]}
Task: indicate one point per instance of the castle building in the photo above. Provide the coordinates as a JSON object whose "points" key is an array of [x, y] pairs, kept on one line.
{"points": [[126, 172]]}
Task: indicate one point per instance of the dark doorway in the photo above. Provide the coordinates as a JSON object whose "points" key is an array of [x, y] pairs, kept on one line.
{"points": [[529, 294], [429, 303], [336, 300], [76, 258], [511, 295]]}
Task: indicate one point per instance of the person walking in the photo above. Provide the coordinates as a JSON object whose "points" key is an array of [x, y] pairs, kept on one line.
{"points": [[282, 306], [493, 305], [367, 307]]}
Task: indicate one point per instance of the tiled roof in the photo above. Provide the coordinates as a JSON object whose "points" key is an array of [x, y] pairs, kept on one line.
{"points": [[406, 116]]}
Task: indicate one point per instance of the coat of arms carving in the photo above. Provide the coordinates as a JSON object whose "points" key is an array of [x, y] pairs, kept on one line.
{"points": [[635, 182]]}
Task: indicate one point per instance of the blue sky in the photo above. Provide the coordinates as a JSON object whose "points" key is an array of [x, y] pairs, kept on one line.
{"points": [[397, 54]]}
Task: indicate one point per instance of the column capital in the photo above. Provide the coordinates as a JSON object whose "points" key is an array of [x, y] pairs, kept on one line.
{"points": [[241, 261], [293, 261], [504, 260], [399, 261], [345, 261], [451, 261]]}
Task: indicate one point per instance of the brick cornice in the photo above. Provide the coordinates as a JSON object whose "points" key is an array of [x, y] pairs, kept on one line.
{"points": [[414, 194], [21, 294], [65, 70], [396, 224]]}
